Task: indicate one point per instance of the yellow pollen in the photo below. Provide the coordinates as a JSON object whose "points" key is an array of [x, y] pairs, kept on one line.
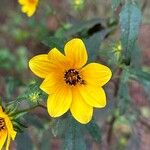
{"points": [[72, 77], [2, 124]]}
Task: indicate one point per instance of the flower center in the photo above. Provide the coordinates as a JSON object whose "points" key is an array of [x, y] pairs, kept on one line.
{"points": [[72, 77], [2, 124], [31, 1]]}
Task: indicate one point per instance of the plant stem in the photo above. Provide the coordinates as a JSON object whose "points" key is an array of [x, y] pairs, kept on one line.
{"points": [[29, 109]]}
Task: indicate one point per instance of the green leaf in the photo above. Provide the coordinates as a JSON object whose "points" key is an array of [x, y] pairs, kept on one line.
{"points": [[112, 53], [54, 42], [12, 108], [18, 126], [93, 130], [24, 141], [130, 19], [115, 3], [84, 26], [123, 92], [136, 57], [35, 121], [45, 143], [11, 84], [93, 43], [142, 77], [58, 126], [18, 115], [74, 139]]}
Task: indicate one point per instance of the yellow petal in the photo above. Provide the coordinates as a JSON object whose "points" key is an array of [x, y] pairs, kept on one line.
{"points": [[3, 136], [28, 6], [22, 2], [80, 110], [58, 59], [96, 74], [1, 109], [31, 10], [40, 65], [10, 129], [8, 143], [52, 83], [94, 96], [24, 8], [60, 102], [2, 114], [76, 53]]}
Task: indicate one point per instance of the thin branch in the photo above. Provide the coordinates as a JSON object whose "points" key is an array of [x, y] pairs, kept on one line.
{"points": [[144, 5]]}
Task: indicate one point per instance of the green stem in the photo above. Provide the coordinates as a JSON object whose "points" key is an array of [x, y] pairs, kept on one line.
{"points": [[29, 109]]}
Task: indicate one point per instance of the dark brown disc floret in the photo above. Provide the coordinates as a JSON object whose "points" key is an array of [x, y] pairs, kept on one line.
{"points": [[72, 77], [2, 124]]}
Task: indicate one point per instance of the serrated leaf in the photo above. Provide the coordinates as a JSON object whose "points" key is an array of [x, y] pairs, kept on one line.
{"points": [[130, 20]]}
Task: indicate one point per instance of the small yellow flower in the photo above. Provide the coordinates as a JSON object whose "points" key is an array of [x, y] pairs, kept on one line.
{"points": [[6, 129], [28, 6], [70, 84]]}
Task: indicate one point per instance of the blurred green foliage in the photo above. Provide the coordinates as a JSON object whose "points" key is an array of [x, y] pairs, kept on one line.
{"points": [[22, 94]]}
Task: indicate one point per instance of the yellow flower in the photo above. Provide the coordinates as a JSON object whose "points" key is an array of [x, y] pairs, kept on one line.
{"points": [[6, 129], [28, 6], [70, 84]]}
